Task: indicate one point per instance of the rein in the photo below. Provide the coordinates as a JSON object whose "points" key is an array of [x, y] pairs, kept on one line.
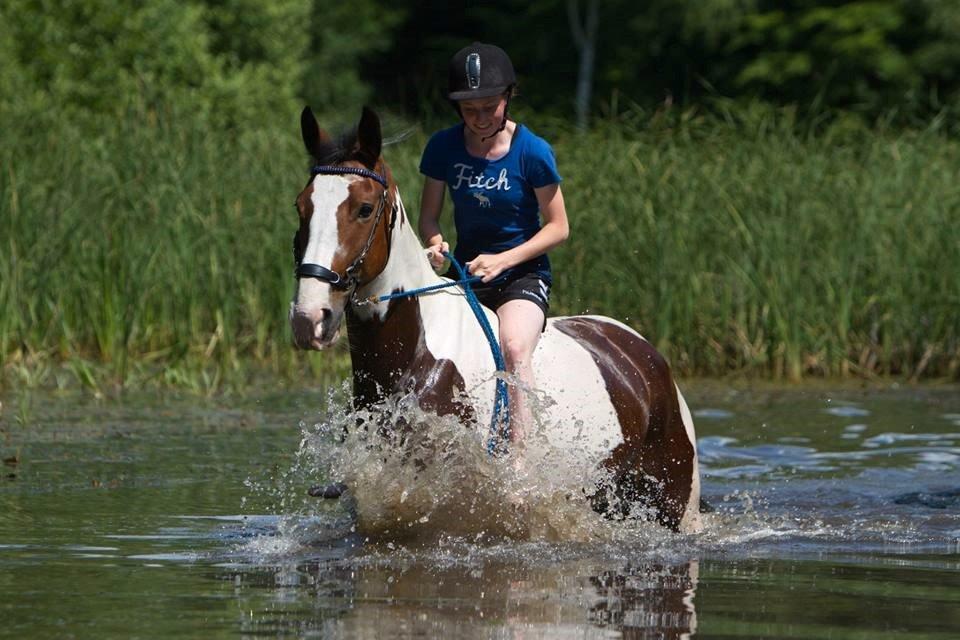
{"points": [[416, 292], [500, 422]]}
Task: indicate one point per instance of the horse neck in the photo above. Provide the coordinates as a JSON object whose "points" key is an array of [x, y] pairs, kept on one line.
{"points": [[388, 340], [407, 265]]}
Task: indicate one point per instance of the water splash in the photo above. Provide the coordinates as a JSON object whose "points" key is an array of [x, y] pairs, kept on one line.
{"points": [[429, 485], [414, 476]]}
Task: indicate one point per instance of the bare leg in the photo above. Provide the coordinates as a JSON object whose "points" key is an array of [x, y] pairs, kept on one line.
{"points": [[521, 322]]}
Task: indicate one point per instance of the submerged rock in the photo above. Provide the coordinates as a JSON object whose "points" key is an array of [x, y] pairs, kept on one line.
{"points": [[932, 499]]}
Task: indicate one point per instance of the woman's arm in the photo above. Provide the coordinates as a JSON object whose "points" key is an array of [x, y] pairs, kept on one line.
{"points": [[431, 204], [554, 231]]}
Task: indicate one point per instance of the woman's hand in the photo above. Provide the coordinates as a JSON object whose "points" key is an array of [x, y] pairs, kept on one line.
{"points": [[489, 266], [435, 254]]}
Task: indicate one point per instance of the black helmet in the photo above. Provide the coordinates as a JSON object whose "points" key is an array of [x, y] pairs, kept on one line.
{"points": [[479, 71]]}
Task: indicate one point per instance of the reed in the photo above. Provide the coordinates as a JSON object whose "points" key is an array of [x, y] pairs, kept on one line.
{"points": [[158, 252], [748, 246]]}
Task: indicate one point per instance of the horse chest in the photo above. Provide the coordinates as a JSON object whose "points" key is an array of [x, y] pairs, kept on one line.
{"points": [[392, 356]]}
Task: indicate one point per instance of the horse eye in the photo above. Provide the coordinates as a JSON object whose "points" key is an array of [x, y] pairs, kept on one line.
{"points": [[365, 211]]}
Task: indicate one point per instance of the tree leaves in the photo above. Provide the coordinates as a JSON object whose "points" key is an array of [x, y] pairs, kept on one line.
{"points": [[235, 62]]}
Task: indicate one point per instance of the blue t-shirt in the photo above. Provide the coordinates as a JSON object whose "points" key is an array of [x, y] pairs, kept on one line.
{"points": [[494, 205]]}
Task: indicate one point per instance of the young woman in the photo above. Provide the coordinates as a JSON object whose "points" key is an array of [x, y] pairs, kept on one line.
{"points": [[502, 180]]}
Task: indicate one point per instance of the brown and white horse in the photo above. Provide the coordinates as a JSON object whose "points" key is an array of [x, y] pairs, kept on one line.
{"points": [[614, 403]]}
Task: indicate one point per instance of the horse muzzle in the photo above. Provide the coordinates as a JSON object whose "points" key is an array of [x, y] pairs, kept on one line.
{"points": [[316, 328]]}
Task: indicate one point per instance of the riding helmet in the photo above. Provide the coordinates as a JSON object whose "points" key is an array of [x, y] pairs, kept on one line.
{"points": [[479, 71]]}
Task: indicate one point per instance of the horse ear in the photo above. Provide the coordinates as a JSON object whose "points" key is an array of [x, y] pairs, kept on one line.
{"points": [[313, 136], [369, 138]]}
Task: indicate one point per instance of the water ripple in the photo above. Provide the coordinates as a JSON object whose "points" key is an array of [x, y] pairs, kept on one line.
{"points": [[847, 411]]}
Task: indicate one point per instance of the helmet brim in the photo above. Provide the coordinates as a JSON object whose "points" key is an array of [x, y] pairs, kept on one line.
{"points": [[477, 93]]}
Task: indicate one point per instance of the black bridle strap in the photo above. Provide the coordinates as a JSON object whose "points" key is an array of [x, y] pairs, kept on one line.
{"points": [[308, 270]]}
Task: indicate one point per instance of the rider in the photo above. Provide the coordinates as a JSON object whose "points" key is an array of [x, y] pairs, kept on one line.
{"points": [[502, 180]]}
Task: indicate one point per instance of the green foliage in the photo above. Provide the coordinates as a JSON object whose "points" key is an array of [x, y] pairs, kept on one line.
{"points": [[89, 54], [14, 83], [867, 55], [344, 35], [938, 56], [748, 247], [228, 60], [167, 267], [261, 49], [806, 48], [872, 56], [237, 61]]}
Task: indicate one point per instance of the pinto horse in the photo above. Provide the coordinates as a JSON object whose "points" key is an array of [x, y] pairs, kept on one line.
{"points": [[614, 399]]}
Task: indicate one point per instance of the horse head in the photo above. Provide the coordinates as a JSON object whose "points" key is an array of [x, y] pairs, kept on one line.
{"points": [[346, 210]]}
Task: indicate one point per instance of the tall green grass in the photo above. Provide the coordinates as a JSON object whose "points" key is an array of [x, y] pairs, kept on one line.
{"points": [[746, 246], [158, 252], [154, 252]]}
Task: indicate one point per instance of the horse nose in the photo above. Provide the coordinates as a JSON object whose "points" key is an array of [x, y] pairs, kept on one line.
{"points": [[308, 328]]}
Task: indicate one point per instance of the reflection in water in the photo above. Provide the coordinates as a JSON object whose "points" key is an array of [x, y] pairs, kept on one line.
{"points": [[377, 597], [648, 601]]}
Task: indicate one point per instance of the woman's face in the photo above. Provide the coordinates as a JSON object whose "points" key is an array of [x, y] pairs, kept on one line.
{"points": [[483, 115]]}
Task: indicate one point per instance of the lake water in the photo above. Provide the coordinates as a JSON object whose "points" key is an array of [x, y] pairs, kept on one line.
{"points": [[837, 516]]}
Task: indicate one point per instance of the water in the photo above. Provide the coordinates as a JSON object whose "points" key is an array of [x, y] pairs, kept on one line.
{"points": [[837, 515]]}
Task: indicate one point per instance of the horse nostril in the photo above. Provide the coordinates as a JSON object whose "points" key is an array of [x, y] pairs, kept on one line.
{"points": [[313, 328], [321, 322]]}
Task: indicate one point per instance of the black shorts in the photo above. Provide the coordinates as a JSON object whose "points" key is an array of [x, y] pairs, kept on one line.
{"points": [[528, 286]]}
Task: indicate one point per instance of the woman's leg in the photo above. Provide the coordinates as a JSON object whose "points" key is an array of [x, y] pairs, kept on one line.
{"points": [[521, 323]]}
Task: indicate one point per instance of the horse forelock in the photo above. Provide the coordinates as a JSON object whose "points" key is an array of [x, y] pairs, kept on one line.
{"points": [[334, 151]]}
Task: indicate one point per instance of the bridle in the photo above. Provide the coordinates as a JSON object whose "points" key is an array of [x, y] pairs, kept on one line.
{"points": [[349, 278]]}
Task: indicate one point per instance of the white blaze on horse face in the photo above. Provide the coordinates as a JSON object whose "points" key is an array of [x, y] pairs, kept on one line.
{"points": [[329, 192]]}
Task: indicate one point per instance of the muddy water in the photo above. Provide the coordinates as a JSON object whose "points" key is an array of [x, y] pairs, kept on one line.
{"points": [[837, 515]]}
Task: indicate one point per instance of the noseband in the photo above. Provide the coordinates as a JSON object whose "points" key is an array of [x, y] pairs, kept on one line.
{"points": [[349, 279]]}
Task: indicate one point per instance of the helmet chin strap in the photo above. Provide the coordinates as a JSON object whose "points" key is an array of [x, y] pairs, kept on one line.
{"points": [[503, 123]]}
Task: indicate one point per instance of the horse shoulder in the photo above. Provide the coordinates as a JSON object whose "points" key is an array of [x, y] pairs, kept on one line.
{"points": [[451, 333]]}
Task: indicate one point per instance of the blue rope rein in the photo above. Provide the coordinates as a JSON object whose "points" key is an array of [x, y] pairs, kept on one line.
{"points": [[416, 292], [500, 422]]}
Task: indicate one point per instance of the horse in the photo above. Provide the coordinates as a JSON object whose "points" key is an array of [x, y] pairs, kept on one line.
{"points": [[614, 401]]}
